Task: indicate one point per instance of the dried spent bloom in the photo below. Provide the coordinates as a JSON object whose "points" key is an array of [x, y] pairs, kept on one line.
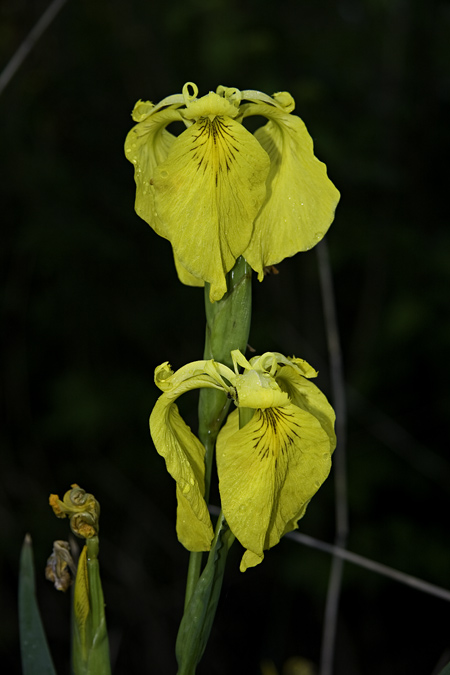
{"points": [[217, 191], [82, 509], [60, 569], [268, 470]]}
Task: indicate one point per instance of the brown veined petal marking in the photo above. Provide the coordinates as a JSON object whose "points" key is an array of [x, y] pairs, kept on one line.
{"points": [[208, 192], [223, 152], [277, 429], [268, 472]]}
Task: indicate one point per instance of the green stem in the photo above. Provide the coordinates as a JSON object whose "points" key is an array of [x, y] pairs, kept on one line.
{"points": [[193, 574], [227, 328], [198, 618]]}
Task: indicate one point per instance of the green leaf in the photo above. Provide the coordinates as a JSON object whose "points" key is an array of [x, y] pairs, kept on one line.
{"points": [[199, 615], [36, 657], [446, 670]]}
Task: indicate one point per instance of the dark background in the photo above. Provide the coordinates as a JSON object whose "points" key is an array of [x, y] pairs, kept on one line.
{"points": [[91, 304]]}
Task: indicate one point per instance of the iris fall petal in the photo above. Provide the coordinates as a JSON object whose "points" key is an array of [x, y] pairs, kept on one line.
{"points": [[268, 472], [184, 455], [301, 199], [208, 193], [146, 145]]}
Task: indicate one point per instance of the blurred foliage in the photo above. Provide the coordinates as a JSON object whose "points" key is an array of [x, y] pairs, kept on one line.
{"points": [[91, 305]]}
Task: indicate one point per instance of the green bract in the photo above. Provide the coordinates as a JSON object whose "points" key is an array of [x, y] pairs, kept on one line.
{"points": [[268, 470], [217, 191]]}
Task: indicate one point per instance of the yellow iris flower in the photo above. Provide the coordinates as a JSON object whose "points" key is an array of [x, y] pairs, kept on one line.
{"points": [[218, 191], [268, 470]]}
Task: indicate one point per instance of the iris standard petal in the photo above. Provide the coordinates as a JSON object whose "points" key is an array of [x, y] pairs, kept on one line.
{"points": [[301, 199], [265, 362], [184, 456], [147, 145], [207, 193], [268, 472]]}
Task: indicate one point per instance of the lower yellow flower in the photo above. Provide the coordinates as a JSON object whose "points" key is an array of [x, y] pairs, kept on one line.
{"points": [[269, 469]]}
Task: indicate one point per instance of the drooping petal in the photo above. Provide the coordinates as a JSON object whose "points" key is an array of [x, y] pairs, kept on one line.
{"points": [[207, 193], [184, 456], [268, 472], [147, 145], [301, 199], [181, 449], [186, 277]]}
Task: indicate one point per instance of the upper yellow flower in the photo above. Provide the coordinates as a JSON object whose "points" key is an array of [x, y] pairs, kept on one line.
{"points": [[217, 191], [268, 470]]}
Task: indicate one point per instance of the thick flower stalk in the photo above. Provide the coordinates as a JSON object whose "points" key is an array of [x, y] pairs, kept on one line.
{"points": [[217, 191], [269, 469]]}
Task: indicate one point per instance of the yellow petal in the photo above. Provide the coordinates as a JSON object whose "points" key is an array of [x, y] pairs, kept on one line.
{"points": [[307, 396], [184, 456], [183, 452], [212, 105], [164, 376], [186, 277], [207, 194], [250, 559], [301, 199], [256, 387], [266, 361], [146, 145], [194, 533], [193, 375], [258, 390], [268, 472]]}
